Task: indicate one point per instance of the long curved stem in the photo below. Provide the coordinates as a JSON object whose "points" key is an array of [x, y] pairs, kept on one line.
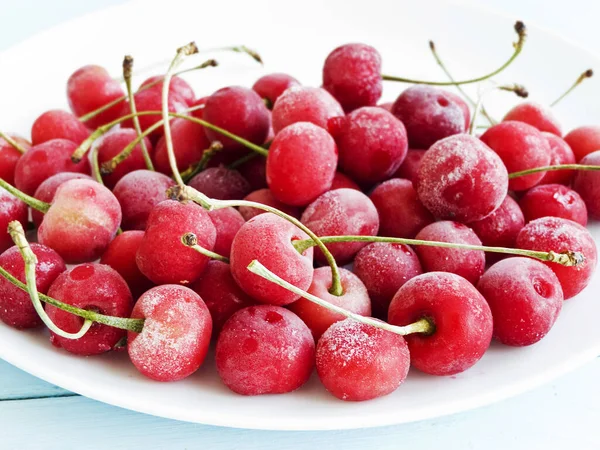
{"points": [[522, 173], [516, 88], [191, 240], [97, 174], [584, 76], [18, 147], [30, 201]]}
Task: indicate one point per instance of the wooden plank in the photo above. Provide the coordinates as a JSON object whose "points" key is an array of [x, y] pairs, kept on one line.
{"points": [[16, 384]]}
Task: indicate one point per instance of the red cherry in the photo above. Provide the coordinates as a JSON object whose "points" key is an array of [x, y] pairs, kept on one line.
{"points": [[16, 308], [460, 178], [90, 88], [500, 229], [89, 286], [44, 160], [560, 153], [176, 333], [338, 213], [584, 140], [554, 200], [525, 298], [265, 197], [271, 86], [138, 193], [304, 104], [227, 222], [521, 147], [587, 184], [81, 222], [352, 74], [189, 142], [430, 114], [58, 124], [410, 167], [112, 144], [341, 181], [177, 86], [11, 209], [255, 172], [301, 163], [358, 362], [469, 264], [162, 257], [460, 314], [268, 239], [538, 116], [9, 157], [120, 255], [221, 183], [372, 143], [355, 299], [264, 350], [401, 213], [553, 233], [384, 268]]}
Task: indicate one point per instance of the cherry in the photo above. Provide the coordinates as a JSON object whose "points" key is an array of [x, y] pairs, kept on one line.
{"points": [[240, 111], [469, 264], [120, 255], [221, 183], [177, 86], [9, 157], [536, 115], [525, 298], [81, 222], [341, 212], [372, 143], [189, 142], [358, 362], [264, 350], [138, 193], [354, 299], [89, 286], [58, 124], [584, 140], [162, 257], [384, 268], [114, 143], [554, 200], [352, 74], [342, 181], [16, 308], [587, 184], [560, 153], [91, 87], [301, 163], [401, 213], [44, 160], [459, 313], [11, 209], [460, 178], [410, 166], [255, 172], [304, 104], [430, 114], [265, 196], [500, 229], [271, 86], [268, 238], [227, 222], [553, 233], [176, 334], [521, 147]]}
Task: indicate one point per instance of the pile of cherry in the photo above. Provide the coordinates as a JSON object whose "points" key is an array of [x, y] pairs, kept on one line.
{"points": [[213, 213]]}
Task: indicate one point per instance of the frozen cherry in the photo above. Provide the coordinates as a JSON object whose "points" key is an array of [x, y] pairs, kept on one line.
{"points": [[372, 143], [469, 264], [58, 124], [178, 86], [271, 86], [268, 239], [338, 213], [560, 153], [227, 222], [536, 115], [95, 287], [410, 167], [189, 142], [301, 163], [357, 362], [584, 140], [343, 181], [587, 184], [525, 298], [354, 299], [460, 178], [265, 350], [265, 197], [352, 74], [401, 213], [9, 157], [559, 235], [11, 208], [500, 229], [16, 308], [554, 200], [459, 313], [176, 334], [221, 183]]}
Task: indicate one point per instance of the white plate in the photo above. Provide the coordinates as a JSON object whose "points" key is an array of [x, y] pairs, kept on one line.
{"points": [[296, 38]]}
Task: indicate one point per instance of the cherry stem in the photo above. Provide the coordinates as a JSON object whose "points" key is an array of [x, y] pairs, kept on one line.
{"points": [[421, 326], [243, 160], [585, 75], [30, 201], [96, 172], [522, 173], [127, 72], [193, 170], [567, 258], [457, 86], [518, 46], [191, 240], [18, 147], [187, 193], [516, 88]]}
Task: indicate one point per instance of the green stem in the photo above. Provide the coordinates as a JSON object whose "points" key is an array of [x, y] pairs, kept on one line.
{"points": [[191, 240], [96, 167], [243, 160], [585, 75], [192, 171], [30, 201], [516, 88], [522, 173], [18, 147]]}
